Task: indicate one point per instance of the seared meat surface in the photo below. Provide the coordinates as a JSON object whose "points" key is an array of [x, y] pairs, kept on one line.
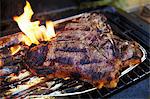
{"points": [[85, 49]]}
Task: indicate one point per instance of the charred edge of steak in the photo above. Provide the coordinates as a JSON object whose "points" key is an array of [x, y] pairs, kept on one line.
{"points": [[90, 22], [35, 57], [7, 59], [131, 54]]}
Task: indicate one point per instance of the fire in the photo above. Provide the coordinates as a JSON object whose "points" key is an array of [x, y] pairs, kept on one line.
{"points": [[50, 30], [33, 30], [15, 49]]}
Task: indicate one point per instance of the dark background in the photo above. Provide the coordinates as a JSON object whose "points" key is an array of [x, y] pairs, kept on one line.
{"points": [[10, 8]]}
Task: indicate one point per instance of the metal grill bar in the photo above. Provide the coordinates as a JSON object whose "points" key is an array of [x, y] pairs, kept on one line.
{"points": [[85, 96], [79, 96], [90, 96]]}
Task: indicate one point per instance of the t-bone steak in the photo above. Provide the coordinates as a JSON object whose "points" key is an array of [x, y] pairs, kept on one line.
{"points": [[84, 49]]}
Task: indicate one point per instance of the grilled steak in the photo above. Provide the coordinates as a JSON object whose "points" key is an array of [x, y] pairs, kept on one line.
{"points": [[84, 49]]}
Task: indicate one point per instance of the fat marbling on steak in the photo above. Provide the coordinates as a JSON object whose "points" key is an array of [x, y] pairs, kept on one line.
{"points": [[84, 49]]}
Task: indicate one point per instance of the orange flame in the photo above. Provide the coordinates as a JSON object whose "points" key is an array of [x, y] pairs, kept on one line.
{"points": [[33, 31], [15, 49]]}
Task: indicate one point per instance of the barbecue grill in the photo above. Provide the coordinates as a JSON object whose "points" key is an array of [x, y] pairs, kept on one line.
{"points": [[120, 25]]}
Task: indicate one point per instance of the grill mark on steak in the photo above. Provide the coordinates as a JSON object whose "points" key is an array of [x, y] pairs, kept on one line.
{"points": [[97, 75], [87, 61], [71, 49], [64, 60], [46, 70]]}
